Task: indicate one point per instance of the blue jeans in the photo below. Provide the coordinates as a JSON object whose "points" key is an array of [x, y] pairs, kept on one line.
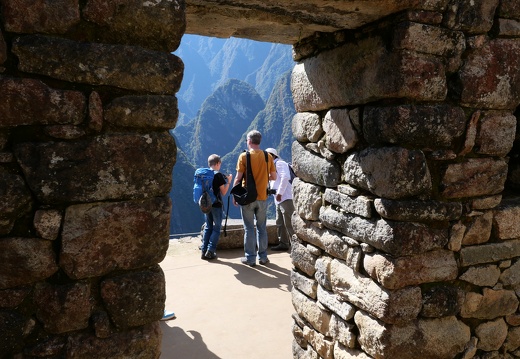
{"points": [[212, 231], [258, 210]]}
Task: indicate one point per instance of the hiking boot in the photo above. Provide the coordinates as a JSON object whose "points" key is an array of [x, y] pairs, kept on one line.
{"points": [[210, 255], [281, 247], [168, 316], [263, 261], [246, 262]]}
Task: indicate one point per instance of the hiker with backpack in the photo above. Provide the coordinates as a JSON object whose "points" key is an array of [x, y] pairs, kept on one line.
{"points": [[283, 200], [263, 170], [213, 186]]}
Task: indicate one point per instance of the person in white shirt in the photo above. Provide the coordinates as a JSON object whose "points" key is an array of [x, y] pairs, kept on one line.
{"points": [[284, 202]]}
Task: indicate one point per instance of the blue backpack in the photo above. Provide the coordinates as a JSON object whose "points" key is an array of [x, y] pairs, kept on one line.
{"points": [[203, 194]]}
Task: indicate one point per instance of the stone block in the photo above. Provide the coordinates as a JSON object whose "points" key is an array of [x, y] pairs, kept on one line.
{"points": [[323, 346], [10, 298], [441, 338], [137, 343], [303, 353], [496, 134], [157, 25], [63, 308], [510, 277], [47, 223], [310, 310], [318, 83], [95, 112], [487, 253], [134, 299], [508, 28], [342, 352], [513, 339], [420, 126], [486, 202], [418, 211], [490, 75], [400, 272], [118, 166], [313, 168], [65, 132], [15, 200], [143, 112], [306, 285], [38, 104], [390, 172], [482, 276], [505, 220], [490, 304], [332, 301], [343, 333], [306, 127], [478, 229], [474, 17], [322, 273], [40, 16], [3, 49], [491, 335], [99, 238], [25, 261], [474, 177], [509, 9], [441, 300], [307, 199], [303, 259], [11, 332], [340, 134], [100, 64], [389, 306], [360, 205], [395, 238]]}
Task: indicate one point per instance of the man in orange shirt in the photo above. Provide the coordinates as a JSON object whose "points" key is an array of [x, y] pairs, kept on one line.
{"points": [[264, 170]]}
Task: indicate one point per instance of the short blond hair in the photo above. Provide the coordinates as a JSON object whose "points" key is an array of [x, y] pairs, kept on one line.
{"points": [[213, 160]]}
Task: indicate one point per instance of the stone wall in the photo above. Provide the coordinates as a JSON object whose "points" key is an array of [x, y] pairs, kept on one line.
{"points": [[407, 237], [86, 101]]}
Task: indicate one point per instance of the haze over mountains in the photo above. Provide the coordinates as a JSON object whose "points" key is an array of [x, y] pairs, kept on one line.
{"points": [[230, 86]]}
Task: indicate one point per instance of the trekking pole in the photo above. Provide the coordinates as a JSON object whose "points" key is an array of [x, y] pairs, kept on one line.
{"points": [[225, 222]]}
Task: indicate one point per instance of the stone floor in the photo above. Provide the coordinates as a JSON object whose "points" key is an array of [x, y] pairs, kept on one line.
{"points": [[225, 309]]}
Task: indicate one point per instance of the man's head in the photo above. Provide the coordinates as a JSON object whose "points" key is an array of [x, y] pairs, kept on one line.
{"points": [[255, 137], [213, 160]]}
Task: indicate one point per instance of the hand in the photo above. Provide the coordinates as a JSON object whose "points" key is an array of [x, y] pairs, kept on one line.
{"points": [[229, 177], [279, 197]]}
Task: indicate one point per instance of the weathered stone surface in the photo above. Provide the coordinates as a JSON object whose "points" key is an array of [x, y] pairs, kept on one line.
{"points": [[420, 126], [486, 202], [302, 258], [11, 331], [318, 83], [306, 127], [139, 343], [135, 299], [491, 335], [47, 223], [313, 168], [508, 28], [418, 211], [442, 300], [15, 200], [511, 275], [158, 25], [487, 253], [31, 102], [307, 199], [3, 49], [457, 231], [323, 346], [474, 177], [95, 112], [513, 339], [65, 132], [490, 75], [483, 276], [306, 285], [342, 352], [333, 301], [50, 346], [473, 17], [340, 134], [314, 314], [395, 273], [428, 39], [441, 338], [478, 229], [390, 172], [344, 333], [100, 64], [98, 238], [395, 238], [496, 134], [505, 221], [397, 306], [307, 352], [490, 304], [149, 112], [41, 16], [116, 166], [329, 241], [25, 261], [63, 308], [513, 319], [322, 273], [10, 298], [359, 205]]}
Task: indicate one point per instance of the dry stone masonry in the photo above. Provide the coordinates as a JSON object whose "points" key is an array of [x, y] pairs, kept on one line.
{"points": [[407, 237], [86, 101], [407, 228]]}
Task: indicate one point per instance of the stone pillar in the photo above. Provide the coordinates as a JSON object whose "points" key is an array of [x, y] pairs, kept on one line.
{"points": [[86, 103], [407, 237]]}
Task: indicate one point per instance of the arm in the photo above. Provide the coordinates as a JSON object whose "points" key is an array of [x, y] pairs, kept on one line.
{"points": [[224, 188], [283, 171]]}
